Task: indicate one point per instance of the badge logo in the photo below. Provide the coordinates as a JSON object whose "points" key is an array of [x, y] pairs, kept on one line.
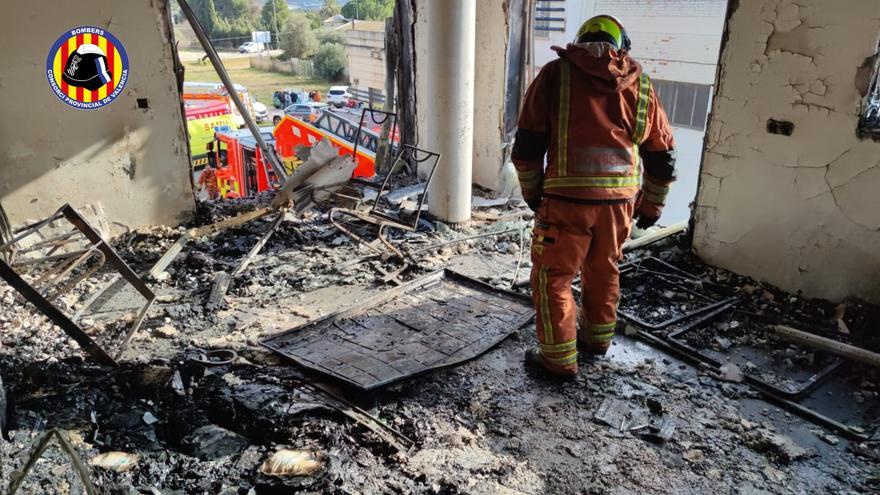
{"points": [[87, 68]]}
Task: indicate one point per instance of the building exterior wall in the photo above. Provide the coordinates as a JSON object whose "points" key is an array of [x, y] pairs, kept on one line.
{"points": [[365, 50], [676, 40], [799, 211], [133, 162]]}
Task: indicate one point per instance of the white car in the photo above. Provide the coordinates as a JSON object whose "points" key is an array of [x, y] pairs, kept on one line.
{"points": [[338, 96], [261, 113], [251, 47]]}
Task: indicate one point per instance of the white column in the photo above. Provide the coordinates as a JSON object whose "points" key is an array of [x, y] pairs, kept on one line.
{"points": [[450, 106]]}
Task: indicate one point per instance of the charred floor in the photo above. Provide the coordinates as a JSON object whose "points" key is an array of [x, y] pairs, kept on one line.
{"points": [[713, 401]]}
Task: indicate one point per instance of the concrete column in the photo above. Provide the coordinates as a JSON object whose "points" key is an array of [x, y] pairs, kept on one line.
{"points": [[450, 106]]}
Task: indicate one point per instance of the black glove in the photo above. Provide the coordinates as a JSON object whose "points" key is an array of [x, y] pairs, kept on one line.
{"points": [[644, 222], [534, 204]]}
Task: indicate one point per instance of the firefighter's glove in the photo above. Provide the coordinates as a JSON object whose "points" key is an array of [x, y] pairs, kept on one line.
{"points": [[644, 222]]}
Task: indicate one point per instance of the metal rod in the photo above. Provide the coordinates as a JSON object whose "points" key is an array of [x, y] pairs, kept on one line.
{"points": [[65, 445], [391, 435], [136, 324], [832, 346], [54, 257], [462, 239], [258, 246], [519, 257], [811, 415], [116, 282], [348, 231], [54, 242], [54, 314], [30, 230], [789, 405], [73, 282], [60, 270], [196, 233], [268, 151]]}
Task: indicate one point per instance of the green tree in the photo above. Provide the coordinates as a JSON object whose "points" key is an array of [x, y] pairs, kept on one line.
{"points": [[297, 38], [224, 19], [330, 61], [206, 14], [315, 19], [326, 37], [329, 9], [373, 10], [233, 10], [268, 15]]}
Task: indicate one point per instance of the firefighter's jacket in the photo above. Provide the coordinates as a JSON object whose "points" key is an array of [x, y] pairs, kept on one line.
{"points": [[595, 115]]}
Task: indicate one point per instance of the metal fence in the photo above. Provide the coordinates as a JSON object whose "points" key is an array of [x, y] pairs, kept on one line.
{"points": [[293, 66], [369, 97]]}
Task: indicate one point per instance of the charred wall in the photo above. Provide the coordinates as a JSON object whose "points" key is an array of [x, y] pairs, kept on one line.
{"points": [[132, 162], [788, 192]]}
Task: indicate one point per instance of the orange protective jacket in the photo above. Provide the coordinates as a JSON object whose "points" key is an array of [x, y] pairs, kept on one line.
{"points": [[595, 115]]}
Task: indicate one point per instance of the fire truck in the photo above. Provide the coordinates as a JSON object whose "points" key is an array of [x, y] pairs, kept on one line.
{"points": [[242, 169]]}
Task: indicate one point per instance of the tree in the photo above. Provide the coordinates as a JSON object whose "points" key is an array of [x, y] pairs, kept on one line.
{"points": [[233, 10], [206, 14], [315, 19], [268, 15], [331, 37], [373, 10], [297, 39], [223, 19], [329, 9], [330, 61]]}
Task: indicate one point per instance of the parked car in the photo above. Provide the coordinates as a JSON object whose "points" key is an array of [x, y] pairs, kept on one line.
{"points": [[261, 113], [251, 47], [309, 111], [338, 96]]}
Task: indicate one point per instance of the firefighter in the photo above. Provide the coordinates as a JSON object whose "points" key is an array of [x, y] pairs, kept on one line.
{"points": [[610, 161], [208, 182]]}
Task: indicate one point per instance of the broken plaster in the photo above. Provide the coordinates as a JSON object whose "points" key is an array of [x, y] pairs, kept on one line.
{"points": [[799, 211]]}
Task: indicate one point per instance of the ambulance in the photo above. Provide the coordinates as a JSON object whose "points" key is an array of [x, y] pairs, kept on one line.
{"points": [[217, 92]]}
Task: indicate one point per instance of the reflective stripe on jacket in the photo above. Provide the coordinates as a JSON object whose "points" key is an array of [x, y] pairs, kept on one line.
{"points": [[600, 115]]}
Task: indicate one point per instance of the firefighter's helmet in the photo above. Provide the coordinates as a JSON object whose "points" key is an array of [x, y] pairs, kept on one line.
{"points": [[87, 68], [604, 28]]}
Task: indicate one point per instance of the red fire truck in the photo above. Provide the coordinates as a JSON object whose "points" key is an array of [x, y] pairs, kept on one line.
{"points": [[242, 170]]}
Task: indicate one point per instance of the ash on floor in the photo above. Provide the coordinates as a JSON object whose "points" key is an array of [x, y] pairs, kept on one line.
{"points": [[486, 427]]}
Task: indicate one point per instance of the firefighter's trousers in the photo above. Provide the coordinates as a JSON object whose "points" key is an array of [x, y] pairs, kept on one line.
{"points": [[569, 238]]}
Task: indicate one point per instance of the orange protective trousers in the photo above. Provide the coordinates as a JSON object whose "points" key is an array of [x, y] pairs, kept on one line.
{"points": [[571, 237]]}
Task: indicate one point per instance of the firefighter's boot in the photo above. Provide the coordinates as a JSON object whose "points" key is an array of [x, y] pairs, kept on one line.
{"points": [[535, 361]]}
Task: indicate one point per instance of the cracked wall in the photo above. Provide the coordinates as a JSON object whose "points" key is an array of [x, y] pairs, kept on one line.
{"points": [[799, 211], [131, 162]]}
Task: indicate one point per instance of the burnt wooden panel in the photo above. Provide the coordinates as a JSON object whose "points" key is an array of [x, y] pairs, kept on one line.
{"points": [[439, 320]]}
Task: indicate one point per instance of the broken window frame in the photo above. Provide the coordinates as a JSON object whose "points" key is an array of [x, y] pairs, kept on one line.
{"points": [[410, 157], [95, 244]]}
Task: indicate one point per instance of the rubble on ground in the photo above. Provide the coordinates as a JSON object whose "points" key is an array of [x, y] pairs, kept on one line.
{"points": [[179, 424]]}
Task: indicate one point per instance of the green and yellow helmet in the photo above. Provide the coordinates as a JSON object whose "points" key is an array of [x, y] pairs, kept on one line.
{"points": [[604, 28]]}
